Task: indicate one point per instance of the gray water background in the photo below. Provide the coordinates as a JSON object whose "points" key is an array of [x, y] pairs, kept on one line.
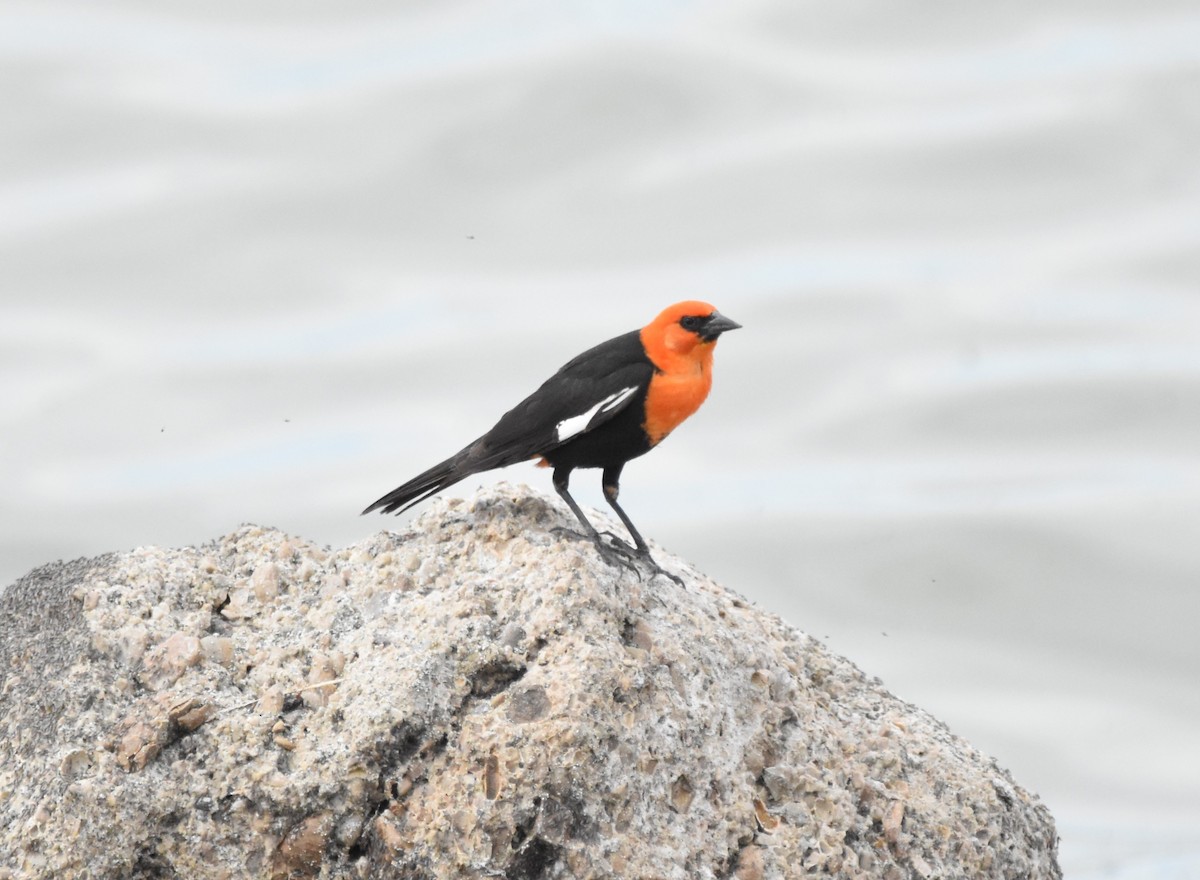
{"points": [[264, 261]]}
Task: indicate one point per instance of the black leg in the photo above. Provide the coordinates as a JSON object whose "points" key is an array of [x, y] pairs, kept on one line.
{"points": [[611, 481], [561, 479]]}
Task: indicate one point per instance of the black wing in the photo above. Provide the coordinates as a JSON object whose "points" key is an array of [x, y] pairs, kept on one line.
{"points": [[586, 392]]}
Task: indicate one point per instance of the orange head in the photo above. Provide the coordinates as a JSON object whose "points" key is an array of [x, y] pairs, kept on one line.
{"points": [[680, 343], [684, 334]]}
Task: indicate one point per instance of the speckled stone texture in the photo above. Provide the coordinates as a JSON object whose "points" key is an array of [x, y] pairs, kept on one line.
{"points": [[475, 696]]}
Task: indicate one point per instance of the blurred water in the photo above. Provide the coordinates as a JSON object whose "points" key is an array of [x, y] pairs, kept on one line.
{"points": [[264, 261]]}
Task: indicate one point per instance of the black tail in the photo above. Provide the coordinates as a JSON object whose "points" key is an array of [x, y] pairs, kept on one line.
{"points": [[421, 487], [482, 455]]}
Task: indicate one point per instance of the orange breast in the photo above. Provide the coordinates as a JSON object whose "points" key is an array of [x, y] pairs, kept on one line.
{"points": [[674, 396]]}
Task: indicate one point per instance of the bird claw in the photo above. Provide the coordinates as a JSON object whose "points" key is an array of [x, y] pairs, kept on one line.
{"points": [[615, 542], [655, 568], [619, 554], [570, 533], [634, 556], [620, 544]]}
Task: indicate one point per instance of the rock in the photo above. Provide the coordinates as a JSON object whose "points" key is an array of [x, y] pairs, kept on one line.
{"points": [[166, 662], [472, 697]]}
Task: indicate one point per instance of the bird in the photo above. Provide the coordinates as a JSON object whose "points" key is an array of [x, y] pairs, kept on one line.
{"points": [[603, 408]]}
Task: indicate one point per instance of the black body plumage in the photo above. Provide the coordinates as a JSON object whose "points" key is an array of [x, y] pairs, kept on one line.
{"points": [[533, 428]]}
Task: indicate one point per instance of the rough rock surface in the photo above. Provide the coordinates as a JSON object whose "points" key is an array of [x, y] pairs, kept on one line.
{"points": [[472, 697]]}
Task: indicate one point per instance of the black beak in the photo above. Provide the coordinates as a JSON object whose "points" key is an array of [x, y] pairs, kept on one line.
{"points": [[716, 324]]}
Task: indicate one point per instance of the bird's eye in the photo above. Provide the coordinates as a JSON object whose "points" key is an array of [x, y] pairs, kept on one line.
{"points": [[691, 322]]}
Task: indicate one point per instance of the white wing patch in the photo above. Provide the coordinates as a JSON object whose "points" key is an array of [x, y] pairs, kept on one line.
{"points": [[568, 428]]}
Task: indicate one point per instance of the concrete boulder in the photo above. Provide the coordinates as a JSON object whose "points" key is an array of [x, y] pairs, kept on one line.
{"points": [[474, 696]]}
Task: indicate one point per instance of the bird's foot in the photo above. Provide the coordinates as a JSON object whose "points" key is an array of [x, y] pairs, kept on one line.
{"points": [[616, 540], [620, 554], [645, 557], [617, 554], [570, 533], [621, 544]]}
